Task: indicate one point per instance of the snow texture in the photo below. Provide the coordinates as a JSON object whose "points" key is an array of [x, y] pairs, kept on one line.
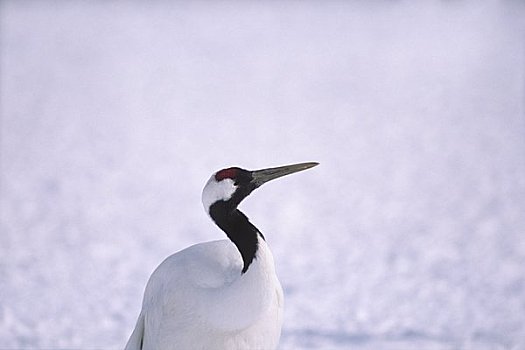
{"points": [[409, 235]]}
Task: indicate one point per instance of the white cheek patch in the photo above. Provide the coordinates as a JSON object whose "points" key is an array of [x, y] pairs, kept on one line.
{"points": [[215, 191]]}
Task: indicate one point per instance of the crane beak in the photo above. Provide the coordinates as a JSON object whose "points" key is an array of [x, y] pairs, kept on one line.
{"points": [[262, 176]]}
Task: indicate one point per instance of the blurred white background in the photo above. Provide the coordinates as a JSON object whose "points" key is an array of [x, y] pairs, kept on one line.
{"points": [[409, 235]]}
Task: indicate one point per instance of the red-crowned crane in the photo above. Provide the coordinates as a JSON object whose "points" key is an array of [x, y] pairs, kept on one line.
{"points": [[220, 294]]}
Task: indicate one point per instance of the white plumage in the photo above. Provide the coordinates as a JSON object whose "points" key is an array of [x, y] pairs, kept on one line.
{"points": [[198, 299]]}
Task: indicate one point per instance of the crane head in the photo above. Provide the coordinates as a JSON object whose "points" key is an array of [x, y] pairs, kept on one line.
{"points": [[232, 185]]}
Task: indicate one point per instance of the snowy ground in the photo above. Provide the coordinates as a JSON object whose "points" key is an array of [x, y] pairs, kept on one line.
{"points": [[410, 235]]}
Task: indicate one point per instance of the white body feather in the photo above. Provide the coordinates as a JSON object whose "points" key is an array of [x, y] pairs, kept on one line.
{"points": [[198, 299]]}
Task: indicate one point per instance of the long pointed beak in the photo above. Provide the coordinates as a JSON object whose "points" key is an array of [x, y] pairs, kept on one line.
{"points": [[262, 176]]}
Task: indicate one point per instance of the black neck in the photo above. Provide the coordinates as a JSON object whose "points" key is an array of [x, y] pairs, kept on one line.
{"points": [[238, 229]]}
